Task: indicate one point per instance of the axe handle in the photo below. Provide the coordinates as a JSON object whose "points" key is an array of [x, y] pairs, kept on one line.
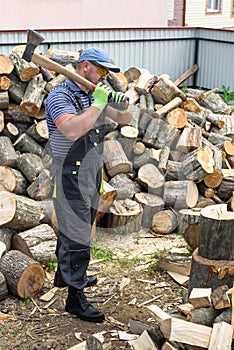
{"points": [[58, 68]]}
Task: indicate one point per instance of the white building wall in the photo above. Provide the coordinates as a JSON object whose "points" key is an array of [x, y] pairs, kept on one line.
{"points": [[197, 16], [76, 14]]}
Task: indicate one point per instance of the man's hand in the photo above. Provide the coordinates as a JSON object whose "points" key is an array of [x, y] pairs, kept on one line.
{"points": [[119, 101], [101, 96]]}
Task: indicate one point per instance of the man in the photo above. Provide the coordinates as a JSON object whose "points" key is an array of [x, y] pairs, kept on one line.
{"points": [[75, 118]]}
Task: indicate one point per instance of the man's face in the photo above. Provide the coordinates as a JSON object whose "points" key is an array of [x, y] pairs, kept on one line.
{"points": [[95, 72]]}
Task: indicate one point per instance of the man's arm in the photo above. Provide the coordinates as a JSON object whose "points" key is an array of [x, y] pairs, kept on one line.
{"points": [[117, 116]]}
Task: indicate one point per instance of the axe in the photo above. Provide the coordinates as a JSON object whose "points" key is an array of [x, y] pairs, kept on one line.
{"points": [[33, 40]]}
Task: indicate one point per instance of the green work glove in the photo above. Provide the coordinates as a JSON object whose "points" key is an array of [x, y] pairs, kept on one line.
{"points": [[119, 101], [101, 96]]}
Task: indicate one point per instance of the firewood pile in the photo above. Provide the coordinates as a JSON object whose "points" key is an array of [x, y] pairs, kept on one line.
{"points": [[174, 158]]}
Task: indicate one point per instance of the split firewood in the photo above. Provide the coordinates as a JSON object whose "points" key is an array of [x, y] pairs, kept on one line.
{"points": [[226, 187], [185, 308], [231, 292], [138, 148], [18, 212], [191, 105], [8, 154], [118, 81], [4, 83], [25, 277], [49, 295], [170, 346], [177, 118], [198, 163], [33, 96], [128, 136], [214, 179], [189, 226], [161, 112], [221, 336], [182, 331], [220, 298], [30, 165], [174, 170], [25, 70], [63, 57], [190, 139], [200, 297], [133, 95], [230, 203], [180, 194], [3, 287], [164, 157], [58, 79], [203, 315], [4, 100], [26, 144], [145, 82], [132, 74], [214, 103], [164, 90], [180, 279], [11, 131], [107, 198], [186, 74], [175, 263], [151, 179], [12, 180], [39, 131], [209, 192], [1, 121], [40, 188], [159, 133], [164, 221], [6, 237], [151, 204], [142, 104], [115, 158], [149, 104], [6, 64], [144, 341], [124, 186]]}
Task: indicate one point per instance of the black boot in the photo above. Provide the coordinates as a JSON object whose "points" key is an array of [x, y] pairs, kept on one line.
{"points": [[59, 282], [78, 305]]}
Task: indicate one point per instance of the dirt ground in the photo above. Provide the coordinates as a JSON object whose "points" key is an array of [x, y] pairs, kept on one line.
{"points": [[126, 281]]}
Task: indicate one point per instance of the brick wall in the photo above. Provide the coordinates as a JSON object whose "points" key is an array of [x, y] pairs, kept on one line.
{"points": [[179, 10]]}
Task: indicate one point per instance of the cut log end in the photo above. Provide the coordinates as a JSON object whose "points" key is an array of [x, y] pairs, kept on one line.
{"points": [[31, 281]]}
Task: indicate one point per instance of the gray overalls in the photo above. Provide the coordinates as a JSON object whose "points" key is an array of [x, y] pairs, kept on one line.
{"points": [[76, 188]]}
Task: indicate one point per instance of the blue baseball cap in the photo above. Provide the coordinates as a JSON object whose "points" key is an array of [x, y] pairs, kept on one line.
{"points": [[98, 55]]}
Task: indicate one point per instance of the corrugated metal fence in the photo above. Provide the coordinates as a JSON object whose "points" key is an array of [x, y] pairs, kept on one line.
{"points": [[170, 51]]}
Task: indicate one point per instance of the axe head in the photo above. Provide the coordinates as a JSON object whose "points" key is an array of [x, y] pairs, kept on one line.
{"points": [[33, 40]]}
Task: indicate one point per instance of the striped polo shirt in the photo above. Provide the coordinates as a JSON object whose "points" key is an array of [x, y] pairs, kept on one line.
{"points": [[66, 98]]}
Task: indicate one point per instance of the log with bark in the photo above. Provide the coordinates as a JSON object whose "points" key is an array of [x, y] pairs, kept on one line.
{"points": [[25, 277]]}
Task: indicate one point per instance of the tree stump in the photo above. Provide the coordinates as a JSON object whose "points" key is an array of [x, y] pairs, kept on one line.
{"points": [[18, 212], [38, 243], [124, 217], [25, 277], [213, 260], [216, 233]]}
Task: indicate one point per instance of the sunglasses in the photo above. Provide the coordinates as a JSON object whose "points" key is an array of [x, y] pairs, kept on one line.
{"points": [[100, 70]]}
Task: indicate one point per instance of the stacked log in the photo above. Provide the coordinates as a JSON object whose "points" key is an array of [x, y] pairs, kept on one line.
{"points": [[176, 153]]}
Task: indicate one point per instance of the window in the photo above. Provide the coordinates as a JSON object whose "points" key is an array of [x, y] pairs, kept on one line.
{"points": [[213, 6]]}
